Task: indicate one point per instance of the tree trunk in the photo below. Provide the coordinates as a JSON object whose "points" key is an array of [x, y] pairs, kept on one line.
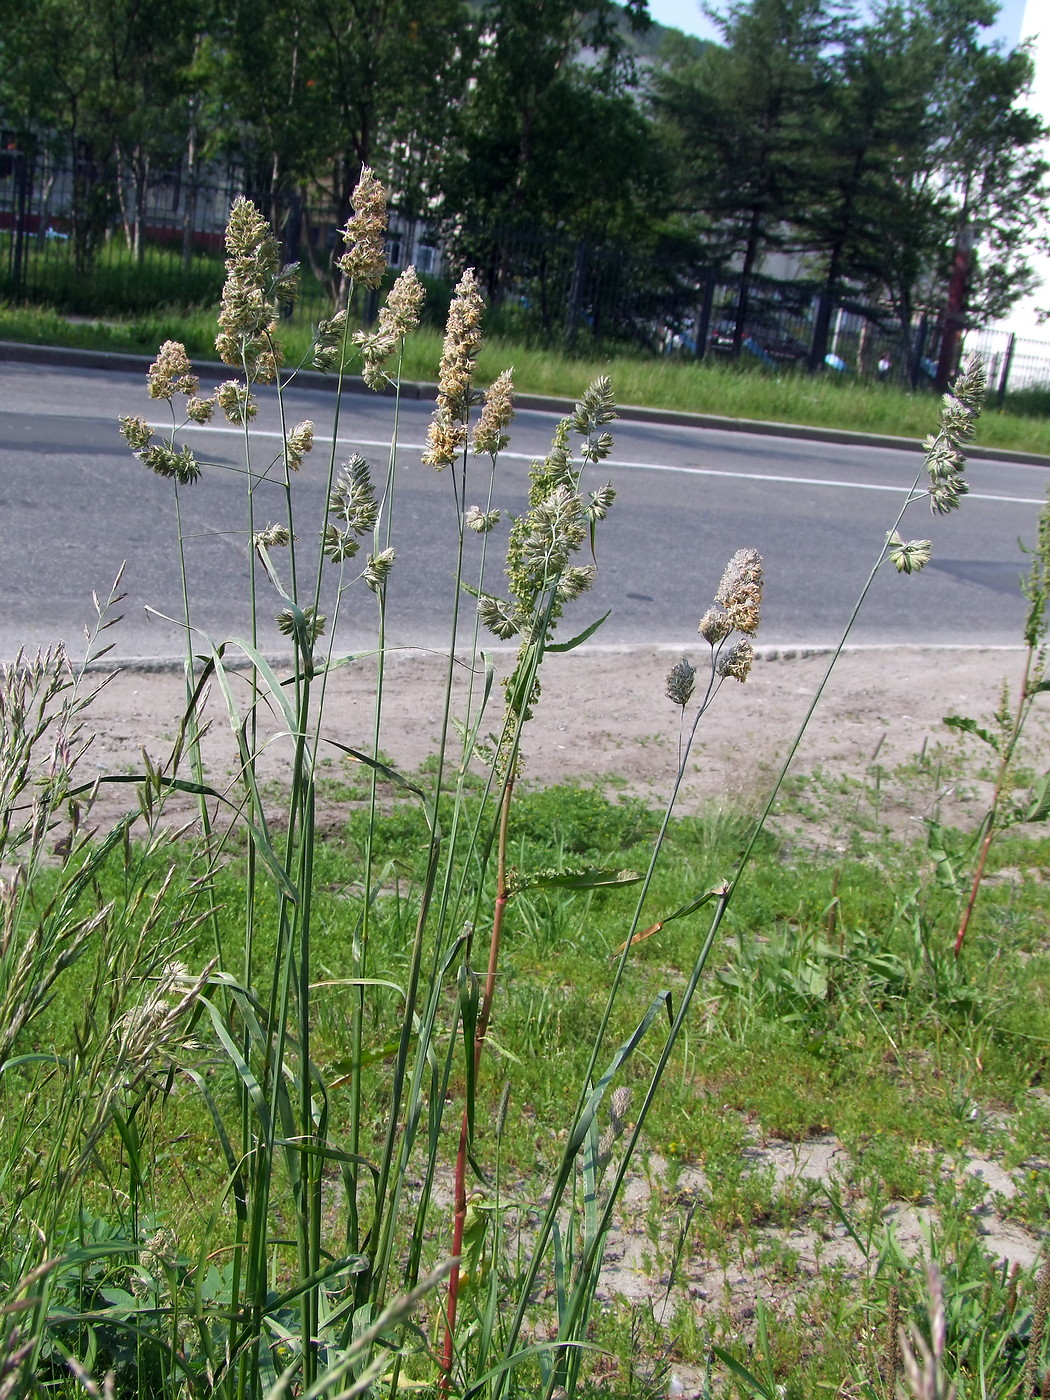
{"points": [[754, 238]]}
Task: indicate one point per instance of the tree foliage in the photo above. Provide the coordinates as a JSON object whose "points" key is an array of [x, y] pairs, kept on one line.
{"points": [[873, 147]]}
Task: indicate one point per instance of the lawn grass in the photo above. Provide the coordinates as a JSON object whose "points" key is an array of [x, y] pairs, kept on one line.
{"points": [[643, 380]]}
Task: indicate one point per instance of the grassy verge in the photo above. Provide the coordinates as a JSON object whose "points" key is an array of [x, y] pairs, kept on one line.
{"points": [[654, 383], [918, 1076], [383, 1135]]}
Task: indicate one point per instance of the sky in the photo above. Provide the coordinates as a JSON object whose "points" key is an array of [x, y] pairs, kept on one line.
{"points": [[688, 16]]}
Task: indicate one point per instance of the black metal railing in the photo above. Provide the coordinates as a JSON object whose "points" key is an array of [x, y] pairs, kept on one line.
{"points": [[94, 242]]}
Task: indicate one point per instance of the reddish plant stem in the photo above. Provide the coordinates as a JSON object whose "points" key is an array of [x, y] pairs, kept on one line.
{"points": [[1004, 763], [484, 1016], [977, 878]]}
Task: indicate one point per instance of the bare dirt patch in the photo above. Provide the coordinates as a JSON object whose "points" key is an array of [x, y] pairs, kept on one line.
{"points": [[604, 718]]}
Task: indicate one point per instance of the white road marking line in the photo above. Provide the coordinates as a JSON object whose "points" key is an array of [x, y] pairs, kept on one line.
{"points": [[613, 465]]}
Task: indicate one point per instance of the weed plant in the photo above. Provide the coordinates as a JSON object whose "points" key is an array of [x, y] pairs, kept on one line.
{"points": [[286, 1119]]}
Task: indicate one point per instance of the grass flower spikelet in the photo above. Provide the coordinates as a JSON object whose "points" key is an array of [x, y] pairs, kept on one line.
{"points": [[481, 521], [315, 623], [171, 373], [497, 411], [740, 591], [353, 498], [271, 537], [255, 285], [165, 461], [447, 434], [378, 569], [737, 661], [328, 342], [715, 626], [364, 233], [136, 432], [909, 556], [498, 616], [300, 441], [397, 317], [236, 402], [944, 460], [680, 682]]}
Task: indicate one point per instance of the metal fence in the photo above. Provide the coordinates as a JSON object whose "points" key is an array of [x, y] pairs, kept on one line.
{"points": [[91, 242]]}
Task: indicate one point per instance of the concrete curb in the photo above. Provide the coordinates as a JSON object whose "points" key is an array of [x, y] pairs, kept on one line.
{"points": [[789, 651], [542, 403]]}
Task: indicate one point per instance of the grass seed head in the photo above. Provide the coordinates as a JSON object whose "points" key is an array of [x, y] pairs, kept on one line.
{"points": [[364, 233], [171, 373], [715, 626], [737, 661], [944, 459], [300, 441], [236, 402], [447, 433], [740, 591], [598, 503], [481, 521], [162, 459], [498, 409], [680, 682], [397, 317], [498, 616], [328, 342], [339, 544], [576, 579], [378, 569], [401, 313], [136, 432], [272, 536], [353, 499], [909, 556], [315, 623], [255, 285]]}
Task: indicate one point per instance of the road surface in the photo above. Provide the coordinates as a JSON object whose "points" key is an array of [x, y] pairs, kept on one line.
{"points": [[76, 504]]}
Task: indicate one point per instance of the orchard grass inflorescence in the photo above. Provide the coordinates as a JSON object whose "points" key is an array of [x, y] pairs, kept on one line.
{"points": [[289, 1116]]}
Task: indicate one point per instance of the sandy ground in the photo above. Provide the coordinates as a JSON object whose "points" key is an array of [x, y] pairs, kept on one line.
{"points": [[604, 717]]}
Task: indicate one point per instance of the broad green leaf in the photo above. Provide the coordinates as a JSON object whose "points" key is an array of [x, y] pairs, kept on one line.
{"points": [[1039, 802], [589, 879], [580, 637], [970, 726], [718, 891]]}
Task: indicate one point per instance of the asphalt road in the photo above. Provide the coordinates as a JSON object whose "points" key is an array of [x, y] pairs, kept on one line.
{"points": [[74, 504]]}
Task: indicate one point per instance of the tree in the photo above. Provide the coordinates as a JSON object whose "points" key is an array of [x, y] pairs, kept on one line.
{"points": [[321, 88], [873, 126], [551, 138], [928, 154], [103, 82], [740, 122]]}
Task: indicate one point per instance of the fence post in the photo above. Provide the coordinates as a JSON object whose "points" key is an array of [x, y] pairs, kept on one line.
{"points": [[703, 325], [18, 261], [576, 293], [1004, 378], [818, 347], [919, 349]]}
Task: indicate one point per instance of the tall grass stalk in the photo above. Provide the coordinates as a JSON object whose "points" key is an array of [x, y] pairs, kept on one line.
{"points": [[319, 1268]]}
